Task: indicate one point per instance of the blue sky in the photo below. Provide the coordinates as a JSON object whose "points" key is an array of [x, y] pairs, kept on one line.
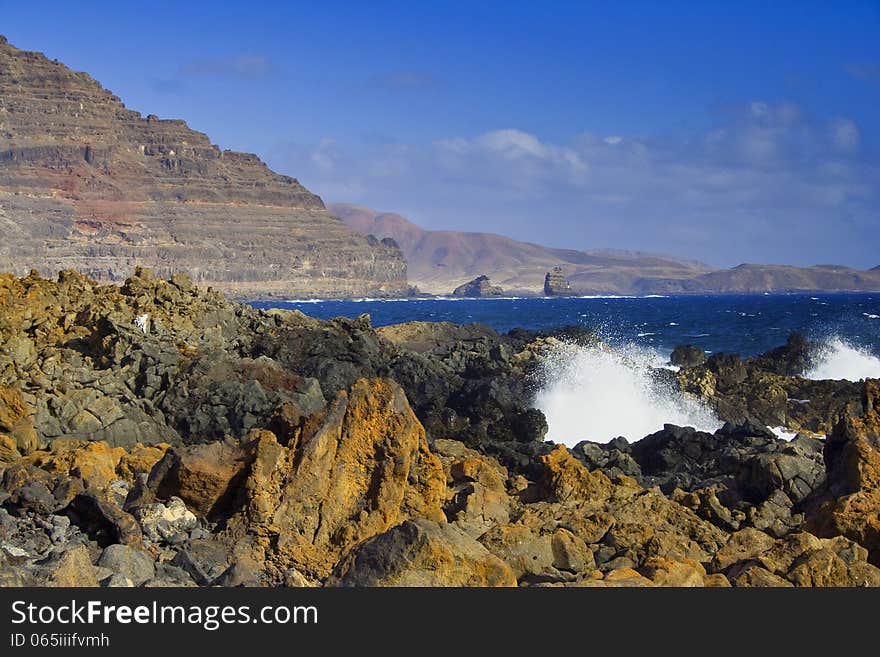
{"points": [[727, 132]]}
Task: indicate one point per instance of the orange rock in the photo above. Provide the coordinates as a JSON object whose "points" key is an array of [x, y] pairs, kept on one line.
{"points": [[93, 462], [8, 450], [15, 420], [564, 478], [716, 580], [666, 572], [618, 578], [73, 569], [756, 576], [206, 477], [141, 459], [421, 553], [852, 499], [361, 468]]}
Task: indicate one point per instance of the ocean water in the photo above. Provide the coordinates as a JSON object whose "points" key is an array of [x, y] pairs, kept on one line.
{"points": [[598, 393], [744, 324]]}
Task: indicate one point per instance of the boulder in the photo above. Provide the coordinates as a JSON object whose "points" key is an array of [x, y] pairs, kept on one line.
{"points": [[133, 564], [140, 459], [669, 573], [476, 497], [8, 450], [421, 553], [564, 478], [755, 576], [103, 520], [13, 571], [617, 578], [752, 558], [686, 356], [16, 419], [571, 554], [743, 545], [206, 477], [72, 568], [206, 559], [529, 555], [363, 466]]}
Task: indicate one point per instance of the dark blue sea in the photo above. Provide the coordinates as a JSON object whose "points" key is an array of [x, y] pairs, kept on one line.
{"points": [[744, 324]]}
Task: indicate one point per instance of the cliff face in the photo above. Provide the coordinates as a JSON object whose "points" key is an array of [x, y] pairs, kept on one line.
{"points": [[86, 183]]}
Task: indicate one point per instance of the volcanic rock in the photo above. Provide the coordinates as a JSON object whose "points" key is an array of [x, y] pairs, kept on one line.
{"points": [[421, 553], [205, 477], [71, 568], [176, 427], [850, 503], [367, 454], [687, 356], [135, 565], [752, 558]]}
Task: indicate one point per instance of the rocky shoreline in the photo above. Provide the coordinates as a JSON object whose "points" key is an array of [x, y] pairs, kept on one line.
{"points": [[156, 434]]}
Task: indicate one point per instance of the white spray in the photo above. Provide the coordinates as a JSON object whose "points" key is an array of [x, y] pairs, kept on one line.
{"points": [[597, 393], [838, 359]]}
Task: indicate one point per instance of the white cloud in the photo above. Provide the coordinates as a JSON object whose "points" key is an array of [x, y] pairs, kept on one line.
{"points": [[769, 184], [845, 135], [513, 143], [242, 66]]}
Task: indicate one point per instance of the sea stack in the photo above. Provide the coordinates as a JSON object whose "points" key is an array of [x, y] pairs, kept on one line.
{"points": [[556, 284], [478, 288]]}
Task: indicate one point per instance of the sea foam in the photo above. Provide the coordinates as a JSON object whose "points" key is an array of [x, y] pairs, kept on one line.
{"points": [[838, 359], [598, 393]]}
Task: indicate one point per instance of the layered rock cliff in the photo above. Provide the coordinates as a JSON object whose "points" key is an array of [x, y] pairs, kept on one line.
{"points": [[86, 183], [556, 284]]}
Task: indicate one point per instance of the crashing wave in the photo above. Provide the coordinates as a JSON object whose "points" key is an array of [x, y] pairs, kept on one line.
{"points": [[598, 393]]}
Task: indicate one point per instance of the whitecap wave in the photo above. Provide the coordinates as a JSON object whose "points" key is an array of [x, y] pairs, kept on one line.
{"points": [[838, 359], [598, 393], [617, 296]]}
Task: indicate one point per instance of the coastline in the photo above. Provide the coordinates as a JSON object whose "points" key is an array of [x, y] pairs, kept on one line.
{"points": [[250, 299], [163, 430]]}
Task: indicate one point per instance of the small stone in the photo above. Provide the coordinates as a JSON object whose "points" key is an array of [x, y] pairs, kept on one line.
{"points": [[134, 564], [117, 581], [295, 579], [170, 522], [243, 572]]}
